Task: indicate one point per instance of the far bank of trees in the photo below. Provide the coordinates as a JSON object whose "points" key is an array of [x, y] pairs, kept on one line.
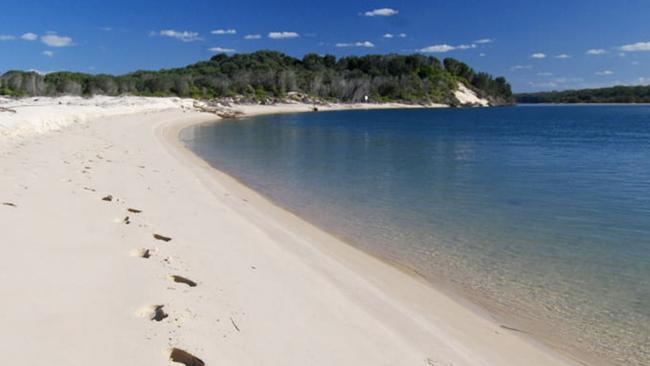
{"points": [[268, 74], [616, 94]]}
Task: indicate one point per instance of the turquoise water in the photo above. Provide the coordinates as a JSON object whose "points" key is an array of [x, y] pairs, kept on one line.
{"points": [[541, 214]]}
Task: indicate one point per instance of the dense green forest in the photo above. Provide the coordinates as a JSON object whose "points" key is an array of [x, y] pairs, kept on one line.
{"points": [[616, 94], [267, 74]]}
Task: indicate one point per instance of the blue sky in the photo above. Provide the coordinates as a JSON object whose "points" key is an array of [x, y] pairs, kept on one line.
{"points": [[537, 45]]}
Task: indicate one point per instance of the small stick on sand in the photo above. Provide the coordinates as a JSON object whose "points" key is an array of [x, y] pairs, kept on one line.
{"points": [[161, 237]]}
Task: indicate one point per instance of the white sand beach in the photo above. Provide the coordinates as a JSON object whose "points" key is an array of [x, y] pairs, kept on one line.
{"points": [[90, 192]]}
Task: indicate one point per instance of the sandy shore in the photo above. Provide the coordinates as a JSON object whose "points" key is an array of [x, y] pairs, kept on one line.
{"points": [[84, 280]]}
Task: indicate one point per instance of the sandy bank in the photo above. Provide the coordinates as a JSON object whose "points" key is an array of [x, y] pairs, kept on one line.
{"points": [[84, 280]]}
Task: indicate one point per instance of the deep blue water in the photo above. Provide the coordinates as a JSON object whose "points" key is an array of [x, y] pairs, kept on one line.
{"points": [[540, 214]]}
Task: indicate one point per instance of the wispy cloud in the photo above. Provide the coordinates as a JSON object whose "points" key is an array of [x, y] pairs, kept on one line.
{"points": [[48, 53], [382, 12], [221, 50], [29, 36], [366, 44], [636, 47], [391, 35], [596, 51], [283, 35], [5, 37], [442, 48], [604, 73], [484, 40], [184, 36], [563, 56], [220, 32], [521, 67], [556, 82], [253, 36], [105, 29], [538, 55], [545, 73], [54, 40]]}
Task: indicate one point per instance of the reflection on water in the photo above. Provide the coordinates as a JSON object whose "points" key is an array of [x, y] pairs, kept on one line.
{"points": [[541, 214]]}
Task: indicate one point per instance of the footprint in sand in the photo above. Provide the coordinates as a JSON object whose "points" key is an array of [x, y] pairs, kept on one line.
{"points": [[142, 253], [183, 280], [183, 357], [154, 313]]}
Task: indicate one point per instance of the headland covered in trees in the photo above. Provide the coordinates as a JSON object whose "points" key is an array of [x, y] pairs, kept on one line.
{"points": [[267, 76], [615, 94]]}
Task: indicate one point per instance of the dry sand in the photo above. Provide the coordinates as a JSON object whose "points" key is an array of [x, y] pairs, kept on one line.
{"points": [[84, 281]]}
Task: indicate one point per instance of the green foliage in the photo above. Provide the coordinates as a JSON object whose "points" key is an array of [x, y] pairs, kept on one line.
{"points": [[265, 74], [616, 94]]}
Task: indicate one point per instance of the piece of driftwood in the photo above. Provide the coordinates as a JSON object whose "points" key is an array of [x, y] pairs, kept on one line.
{"points": [[5, 109], [218, 110]]}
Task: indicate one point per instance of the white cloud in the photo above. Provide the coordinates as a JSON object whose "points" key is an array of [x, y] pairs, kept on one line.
{"points": [[283, 35], [383, 12], [636, 47], [538, 55], [4, 37], [442, 48], [224, 31], [29, 36], [439, 48], [549, 84], [563, 56], [48, 53], [521, 67], [366, 44], [596, 51], [54, 40], [545, 73], [105, 29], [253, 36], [605, 72], [484, 40], [40, 72], [391, 35], [184, 36], [556, 82], [221, 50], [482, 54]]}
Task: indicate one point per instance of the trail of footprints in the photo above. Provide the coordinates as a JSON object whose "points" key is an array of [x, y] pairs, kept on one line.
{"points": [[157, 313]]}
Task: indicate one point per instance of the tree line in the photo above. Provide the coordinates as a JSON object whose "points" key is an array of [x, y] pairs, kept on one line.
{"points": [[616, 94], [268, 74]]}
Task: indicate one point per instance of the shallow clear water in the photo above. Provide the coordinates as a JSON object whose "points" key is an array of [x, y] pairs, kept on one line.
{"points": [[540, 214]]}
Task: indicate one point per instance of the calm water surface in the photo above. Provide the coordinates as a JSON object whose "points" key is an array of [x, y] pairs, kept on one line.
{"points": [[540, 214]]}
